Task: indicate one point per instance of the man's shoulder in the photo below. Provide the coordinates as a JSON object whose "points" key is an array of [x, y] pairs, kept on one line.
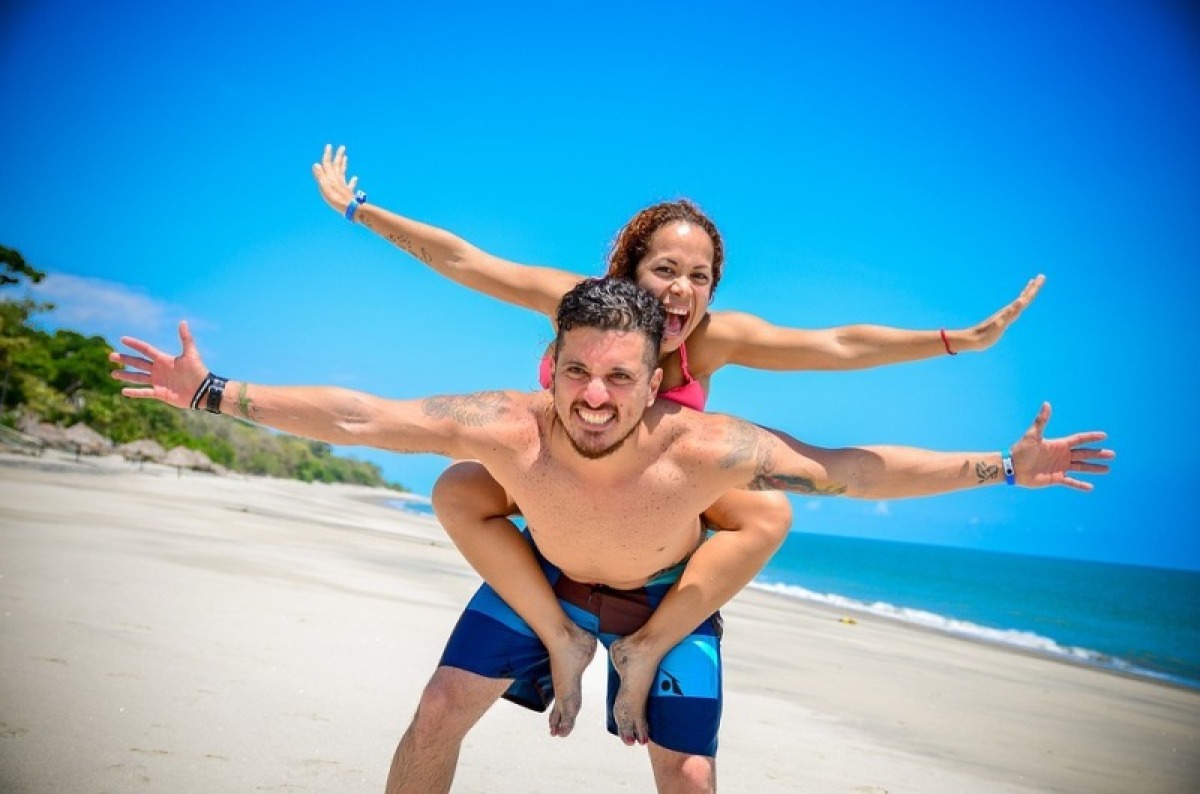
{"points": [[688, 430]]}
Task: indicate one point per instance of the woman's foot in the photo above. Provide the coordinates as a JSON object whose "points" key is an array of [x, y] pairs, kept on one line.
{"points": [[568, 660], [638, 668]]}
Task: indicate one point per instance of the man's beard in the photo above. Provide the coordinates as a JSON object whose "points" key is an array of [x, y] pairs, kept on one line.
{"points": [[594, 454]]}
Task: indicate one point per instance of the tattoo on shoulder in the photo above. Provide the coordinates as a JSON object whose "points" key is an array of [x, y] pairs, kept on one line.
{"points": [[746, 443], [471, 410], [743, 444], [244, 406], [985, 472]]}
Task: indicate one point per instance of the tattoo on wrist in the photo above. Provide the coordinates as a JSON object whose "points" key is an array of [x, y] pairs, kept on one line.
{"points": [[985, 472], [244, 406], [470, 410]]}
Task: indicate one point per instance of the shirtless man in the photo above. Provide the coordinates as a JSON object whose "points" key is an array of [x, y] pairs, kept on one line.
{"points": [[611, 484]]}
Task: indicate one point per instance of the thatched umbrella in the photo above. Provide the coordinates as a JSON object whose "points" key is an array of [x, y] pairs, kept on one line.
{"points": [[48, 434], [184, 458], [87, 440], [142, 450]]}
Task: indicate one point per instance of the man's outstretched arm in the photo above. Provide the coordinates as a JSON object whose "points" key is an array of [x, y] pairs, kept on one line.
{"points": [[331, 414], [778, 462]]}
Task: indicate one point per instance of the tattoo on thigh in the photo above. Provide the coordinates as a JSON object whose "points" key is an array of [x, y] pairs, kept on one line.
{"points": [[470, 410], [985, 472]]}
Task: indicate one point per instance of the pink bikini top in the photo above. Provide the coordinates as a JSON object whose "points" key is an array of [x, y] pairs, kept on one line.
{"points": [[689, 394]]}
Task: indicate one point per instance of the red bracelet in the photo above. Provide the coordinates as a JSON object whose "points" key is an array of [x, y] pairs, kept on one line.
{"points": [[946, 342]]}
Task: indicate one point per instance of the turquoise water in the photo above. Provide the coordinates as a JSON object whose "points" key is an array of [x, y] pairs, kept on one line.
{"points": [[1144, 621]]}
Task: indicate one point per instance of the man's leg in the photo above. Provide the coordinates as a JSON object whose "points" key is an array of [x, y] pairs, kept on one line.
{"points": [[681, 773], [453, 701]]}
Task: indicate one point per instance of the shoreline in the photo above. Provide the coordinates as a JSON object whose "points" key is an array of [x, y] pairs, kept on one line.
{"points": [[198, 633], [865, 613]]}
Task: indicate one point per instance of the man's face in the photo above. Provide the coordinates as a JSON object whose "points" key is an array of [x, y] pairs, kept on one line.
{"points": [[602, 387]]}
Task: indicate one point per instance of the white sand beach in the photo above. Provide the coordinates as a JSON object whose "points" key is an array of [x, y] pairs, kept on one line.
{"points": [[199, 633]]}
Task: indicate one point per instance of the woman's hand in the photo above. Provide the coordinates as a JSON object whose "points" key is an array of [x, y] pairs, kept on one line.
{"points": [[330, 174], [988, 332]]}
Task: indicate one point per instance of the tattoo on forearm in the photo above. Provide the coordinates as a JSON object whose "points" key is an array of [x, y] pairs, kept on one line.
{"points": [[746, 443], [985, 472], [244, 406], [471, 410]]}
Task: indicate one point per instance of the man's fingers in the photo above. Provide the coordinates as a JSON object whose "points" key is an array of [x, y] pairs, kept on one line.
{"points": [[1087, 453], [1091, 468], [185, 338], [137, 394], [1039, 422], [1089, 437], [130, 361], [1078, 485], [145, 348], [126, 376]]}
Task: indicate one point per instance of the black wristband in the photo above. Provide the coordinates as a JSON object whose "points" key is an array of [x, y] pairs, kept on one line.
{"points": [[200, 390], [215, 392]]}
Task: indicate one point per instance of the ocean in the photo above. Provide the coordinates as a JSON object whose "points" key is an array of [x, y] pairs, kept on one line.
{"points": [[1137, 620]]}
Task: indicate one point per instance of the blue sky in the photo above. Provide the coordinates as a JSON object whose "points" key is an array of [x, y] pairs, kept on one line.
{"points": [[910, 164]]}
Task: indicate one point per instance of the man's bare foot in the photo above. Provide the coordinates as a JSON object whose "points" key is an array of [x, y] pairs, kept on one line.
{"points": [[568, 660], [638, 668]]}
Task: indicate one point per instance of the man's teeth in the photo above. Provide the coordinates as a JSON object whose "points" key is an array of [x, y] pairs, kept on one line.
{"points": [[595, 417]]}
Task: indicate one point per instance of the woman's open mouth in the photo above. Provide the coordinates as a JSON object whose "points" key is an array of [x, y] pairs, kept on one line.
{"points": [[676, 321]]}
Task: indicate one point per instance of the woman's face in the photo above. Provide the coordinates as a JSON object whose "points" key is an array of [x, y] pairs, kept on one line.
{"points": [[678, 270]]}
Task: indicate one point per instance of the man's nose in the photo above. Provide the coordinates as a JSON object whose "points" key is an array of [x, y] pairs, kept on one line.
{"points": [[596, 393]]}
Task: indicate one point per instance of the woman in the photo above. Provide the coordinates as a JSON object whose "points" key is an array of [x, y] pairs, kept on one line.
{"points": [[674, 251]]}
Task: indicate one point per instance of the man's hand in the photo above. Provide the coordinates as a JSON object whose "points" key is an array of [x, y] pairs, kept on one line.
{"points": [[988, 332], [330, 174], [171, 379], [1040, 462]]}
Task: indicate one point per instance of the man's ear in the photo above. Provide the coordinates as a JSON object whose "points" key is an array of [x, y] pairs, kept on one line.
{"points": [[655, 382]]}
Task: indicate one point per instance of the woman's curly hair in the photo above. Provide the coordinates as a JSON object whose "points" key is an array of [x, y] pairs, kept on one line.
{"points": [[631, 242]]}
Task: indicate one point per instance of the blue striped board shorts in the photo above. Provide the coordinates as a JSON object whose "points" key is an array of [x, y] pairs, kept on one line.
{"points": [[684, 708]]}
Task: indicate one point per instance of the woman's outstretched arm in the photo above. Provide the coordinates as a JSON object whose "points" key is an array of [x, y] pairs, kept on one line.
{"points": [[533, 287], [748, 340]]}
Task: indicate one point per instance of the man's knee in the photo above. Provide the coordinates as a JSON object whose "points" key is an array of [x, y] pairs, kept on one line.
{"points": [[467, 485], [453, 701], [677, 773], [774, 512]]}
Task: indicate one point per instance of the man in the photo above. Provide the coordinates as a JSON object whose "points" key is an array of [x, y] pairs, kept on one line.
{"points": [[611, 484]]}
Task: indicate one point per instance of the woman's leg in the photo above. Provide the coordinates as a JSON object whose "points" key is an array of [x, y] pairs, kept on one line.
{"points": [[757, 522], [473, 508]]}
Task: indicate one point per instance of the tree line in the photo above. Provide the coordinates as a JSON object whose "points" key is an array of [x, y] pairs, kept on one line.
{"points": [[64, 378]]}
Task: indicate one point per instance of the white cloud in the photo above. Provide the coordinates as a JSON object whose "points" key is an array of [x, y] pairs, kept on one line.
{"points": [[96, 306], [882, 509], [812, 505]]}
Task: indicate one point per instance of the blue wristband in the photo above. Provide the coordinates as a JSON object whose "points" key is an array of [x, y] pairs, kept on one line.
{"points": [[359, 199], [1010, 474]]}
